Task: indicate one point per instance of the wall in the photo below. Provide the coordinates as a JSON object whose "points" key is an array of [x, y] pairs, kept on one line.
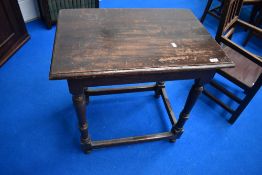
{"points": [[29, 9]]}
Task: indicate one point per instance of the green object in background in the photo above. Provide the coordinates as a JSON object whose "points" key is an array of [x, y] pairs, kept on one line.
{"points": [[56, 5], [49, 9]]}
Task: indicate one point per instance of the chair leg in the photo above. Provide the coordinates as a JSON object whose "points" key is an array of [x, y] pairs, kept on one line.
{"points": [[249, 36], [253, 14], [221, 6], [240, 109], [250, 94], [209, 3], [254, 21]]}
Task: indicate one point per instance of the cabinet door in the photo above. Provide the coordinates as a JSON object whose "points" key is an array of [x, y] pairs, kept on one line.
{"points": [[13, 33]]}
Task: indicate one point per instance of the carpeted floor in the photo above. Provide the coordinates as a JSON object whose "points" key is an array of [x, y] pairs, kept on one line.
{"points": [[39, 133]]}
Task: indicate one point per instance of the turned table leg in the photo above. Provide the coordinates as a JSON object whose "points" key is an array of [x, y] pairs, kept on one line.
{"points": [[80, 107], [193, 95], [79, 101]]}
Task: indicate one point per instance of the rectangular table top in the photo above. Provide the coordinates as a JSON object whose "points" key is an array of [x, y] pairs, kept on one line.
{"points": [[104, 42]]}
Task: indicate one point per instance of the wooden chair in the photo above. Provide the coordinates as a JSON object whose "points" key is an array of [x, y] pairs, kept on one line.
{"points": [[247, 73], [215, 12]]}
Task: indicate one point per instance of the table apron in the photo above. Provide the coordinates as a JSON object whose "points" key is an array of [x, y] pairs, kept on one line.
{"points": [[75, 84]]}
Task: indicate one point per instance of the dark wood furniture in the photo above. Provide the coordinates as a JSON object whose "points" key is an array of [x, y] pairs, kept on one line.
{"points": [[49, 9], [256, 20], [255, 16], [123, 46], [247, 72], [13, 33], [216, 11]]}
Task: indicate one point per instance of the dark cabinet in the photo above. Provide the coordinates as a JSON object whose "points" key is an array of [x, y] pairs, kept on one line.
{"points": [[13, 33]]}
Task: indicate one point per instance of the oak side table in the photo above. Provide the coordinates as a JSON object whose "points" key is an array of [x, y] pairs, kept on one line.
{"points": [[97, 47]]}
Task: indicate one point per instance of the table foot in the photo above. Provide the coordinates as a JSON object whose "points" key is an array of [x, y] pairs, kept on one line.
{"points": [[86, 144]]}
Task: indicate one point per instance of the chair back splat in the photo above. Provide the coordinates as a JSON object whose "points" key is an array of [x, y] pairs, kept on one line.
{"points": [[229, 16], [229, 20]]}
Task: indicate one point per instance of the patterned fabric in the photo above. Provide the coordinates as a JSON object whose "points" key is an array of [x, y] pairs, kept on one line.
{"points": [[56, 5]]}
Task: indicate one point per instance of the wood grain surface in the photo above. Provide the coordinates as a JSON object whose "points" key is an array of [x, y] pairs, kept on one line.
{"points": [[105, 42]]}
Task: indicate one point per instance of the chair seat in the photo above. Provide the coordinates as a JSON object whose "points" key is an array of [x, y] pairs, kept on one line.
{"points": [[245, 71]]}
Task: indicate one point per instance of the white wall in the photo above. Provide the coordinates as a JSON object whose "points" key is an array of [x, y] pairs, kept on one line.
{"points": [[29, 9]]}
